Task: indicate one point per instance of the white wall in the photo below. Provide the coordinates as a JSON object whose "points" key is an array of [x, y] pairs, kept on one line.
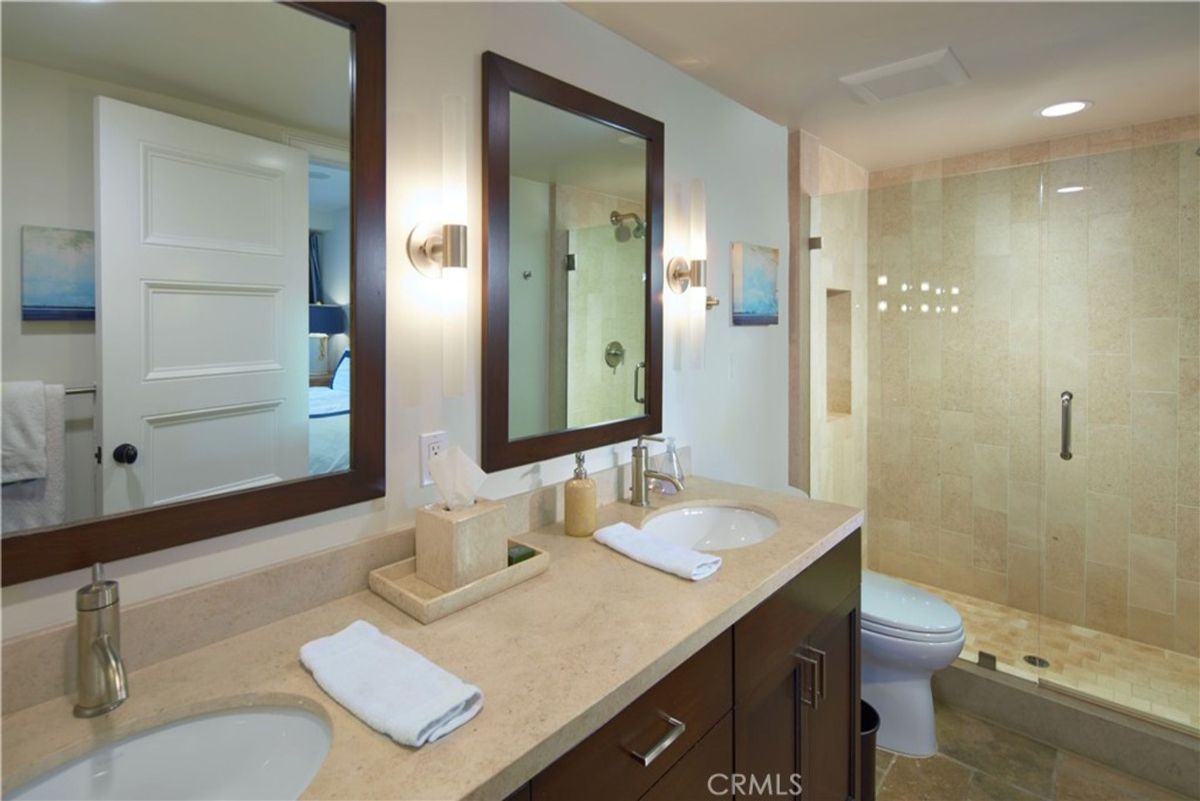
{"points": [[732, 411]]}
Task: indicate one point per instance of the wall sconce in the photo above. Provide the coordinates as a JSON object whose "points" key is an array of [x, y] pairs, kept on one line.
{"points": [[692, 272], [432, 248]]}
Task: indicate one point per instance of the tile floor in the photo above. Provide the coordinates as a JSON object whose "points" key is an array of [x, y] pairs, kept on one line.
{"points": [[1139, 678], [979, 761]]}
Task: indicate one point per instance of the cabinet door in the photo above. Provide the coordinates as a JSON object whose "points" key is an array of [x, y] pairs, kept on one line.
{"points": [[766, 737], [829, 708]]}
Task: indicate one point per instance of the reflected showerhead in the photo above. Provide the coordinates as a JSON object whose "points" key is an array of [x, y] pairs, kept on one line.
{"points": [[639, 227]]}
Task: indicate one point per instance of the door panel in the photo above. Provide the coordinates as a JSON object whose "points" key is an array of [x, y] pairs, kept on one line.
{"points": [[202, 282], [766, 731], [829, 733]]}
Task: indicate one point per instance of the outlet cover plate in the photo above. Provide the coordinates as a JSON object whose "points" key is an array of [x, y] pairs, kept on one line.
{"points": [[431, 444]]}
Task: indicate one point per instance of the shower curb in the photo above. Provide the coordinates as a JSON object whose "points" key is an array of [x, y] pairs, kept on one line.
{"points": [[1154, 753]]}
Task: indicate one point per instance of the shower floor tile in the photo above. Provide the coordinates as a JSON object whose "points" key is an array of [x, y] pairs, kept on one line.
{"points": [[1140, 678]]}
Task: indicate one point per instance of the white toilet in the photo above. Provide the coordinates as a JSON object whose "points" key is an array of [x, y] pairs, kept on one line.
{"points": [[907, 635]]}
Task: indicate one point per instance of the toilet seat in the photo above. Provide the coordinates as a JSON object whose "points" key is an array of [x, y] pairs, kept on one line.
{"points": [[892, 608]]}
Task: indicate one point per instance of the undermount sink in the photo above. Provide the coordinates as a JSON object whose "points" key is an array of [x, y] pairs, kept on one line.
{"points": [[711, 528], [250, 753]]}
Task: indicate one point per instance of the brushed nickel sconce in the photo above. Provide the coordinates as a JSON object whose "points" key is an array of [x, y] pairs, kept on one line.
{"points": [[683, 274], [432, 249]]}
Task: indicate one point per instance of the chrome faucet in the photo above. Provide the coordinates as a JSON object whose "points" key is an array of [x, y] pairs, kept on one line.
{"points": [[639, 492], [102, 686]]}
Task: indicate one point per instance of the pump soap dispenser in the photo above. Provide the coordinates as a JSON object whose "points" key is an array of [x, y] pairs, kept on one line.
{"points": [[580, 501]]}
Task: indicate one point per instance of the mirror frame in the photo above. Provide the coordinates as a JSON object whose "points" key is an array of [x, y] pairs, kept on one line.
{"points": [[49, 551], [501, 77]]}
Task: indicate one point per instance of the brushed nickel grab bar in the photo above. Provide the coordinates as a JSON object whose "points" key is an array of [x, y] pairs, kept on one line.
{"points": [[1065, 451]]}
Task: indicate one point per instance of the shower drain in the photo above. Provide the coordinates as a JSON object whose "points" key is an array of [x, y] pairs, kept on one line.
{"points": [[1037, 661]]}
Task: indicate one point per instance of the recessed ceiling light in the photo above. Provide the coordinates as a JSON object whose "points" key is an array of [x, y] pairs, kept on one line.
{"points": [[1069, 190], [1066, 108]]}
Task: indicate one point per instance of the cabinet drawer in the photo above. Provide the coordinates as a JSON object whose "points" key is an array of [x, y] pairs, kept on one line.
{"points": [[697, 694], [766, 639], [690, 778]]}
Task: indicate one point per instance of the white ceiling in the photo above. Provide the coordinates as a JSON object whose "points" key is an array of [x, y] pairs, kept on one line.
{"points": [[1137, 61], [263, 60], [550, 145]]}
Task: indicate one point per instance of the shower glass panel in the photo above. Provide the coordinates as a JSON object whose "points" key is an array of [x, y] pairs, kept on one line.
{"points": [[1034, 422], [1120, 298], [955, 396]]}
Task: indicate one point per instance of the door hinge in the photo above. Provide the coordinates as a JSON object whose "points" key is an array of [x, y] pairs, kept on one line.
{"points": [[98, 454]]}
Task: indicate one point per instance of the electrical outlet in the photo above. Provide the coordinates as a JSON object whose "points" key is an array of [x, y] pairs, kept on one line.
{"points": [[432, 444]]}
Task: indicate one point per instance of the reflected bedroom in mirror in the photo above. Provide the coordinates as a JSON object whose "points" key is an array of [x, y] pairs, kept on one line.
{"points": [[177, 254]]}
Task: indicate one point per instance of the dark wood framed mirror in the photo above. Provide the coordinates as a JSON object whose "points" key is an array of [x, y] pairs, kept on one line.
{"points": [[573, 278], [150, 512]]}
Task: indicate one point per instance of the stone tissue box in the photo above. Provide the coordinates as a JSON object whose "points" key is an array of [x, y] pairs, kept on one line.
{"points": [[458, 546]]}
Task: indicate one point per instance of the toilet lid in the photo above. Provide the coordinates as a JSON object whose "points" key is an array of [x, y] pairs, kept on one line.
{"points": [[890, 604]]}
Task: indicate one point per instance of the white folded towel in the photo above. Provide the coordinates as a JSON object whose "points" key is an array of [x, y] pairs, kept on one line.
{"points": [[23, 431], [666, 556], [38, 502], [390, 687]]}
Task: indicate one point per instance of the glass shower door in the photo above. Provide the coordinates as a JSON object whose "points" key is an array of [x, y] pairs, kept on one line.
{"points": [[1121, 422]]}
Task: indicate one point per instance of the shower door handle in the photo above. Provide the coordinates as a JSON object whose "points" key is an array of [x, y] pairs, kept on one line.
{"points": [[1065, 450], [637, 381]]}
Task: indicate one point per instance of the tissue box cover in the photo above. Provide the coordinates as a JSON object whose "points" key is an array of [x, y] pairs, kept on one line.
{"points": [[456, 547]]}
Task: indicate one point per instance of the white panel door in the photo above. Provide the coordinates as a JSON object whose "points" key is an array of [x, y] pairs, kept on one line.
{"points": [[202, 307]]}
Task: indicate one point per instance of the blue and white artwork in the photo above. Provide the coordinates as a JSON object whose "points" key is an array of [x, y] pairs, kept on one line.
{"points": [[58, 274], [755, 271]]}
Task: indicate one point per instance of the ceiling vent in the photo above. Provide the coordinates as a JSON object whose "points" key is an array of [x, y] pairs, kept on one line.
{"points": [[907, 77]]}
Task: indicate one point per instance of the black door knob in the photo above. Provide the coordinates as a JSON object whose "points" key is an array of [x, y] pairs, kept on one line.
{"points": [[125, 454]]}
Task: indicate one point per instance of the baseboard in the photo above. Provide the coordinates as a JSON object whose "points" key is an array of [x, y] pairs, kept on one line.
{"points": [[1139, 747]]}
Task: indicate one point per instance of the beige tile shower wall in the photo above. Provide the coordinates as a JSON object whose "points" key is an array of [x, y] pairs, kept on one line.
{"points": [[602, 304], [835, 190], [1096, 292]]}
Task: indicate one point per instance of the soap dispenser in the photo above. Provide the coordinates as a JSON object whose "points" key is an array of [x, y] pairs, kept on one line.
{"points": [[580, 500]]}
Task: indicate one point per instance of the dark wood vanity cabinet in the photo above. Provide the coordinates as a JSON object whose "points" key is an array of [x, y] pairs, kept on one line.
{"points": [[768, 707]]}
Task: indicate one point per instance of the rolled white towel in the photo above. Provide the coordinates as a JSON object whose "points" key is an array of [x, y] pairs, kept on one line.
{"points": [[666, 556], [390, 687]]}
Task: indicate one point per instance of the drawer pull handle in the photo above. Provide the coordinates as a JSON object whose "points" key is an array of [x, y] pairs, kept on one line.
{"points": [[678, 727]]}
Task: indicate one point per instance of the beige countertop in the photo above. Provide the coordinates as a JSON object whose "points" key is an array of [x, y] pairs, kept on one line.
{"points": [[556, 657]]}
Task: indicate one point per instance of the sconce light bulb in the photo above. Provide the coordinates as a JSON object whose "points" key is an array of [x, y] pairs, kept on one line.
{"points": [[924, 308], [953, 290], [954, 310], [924, 286], [903, 307], [904, 287], [937, 291], [883, 305], [881, 280]]}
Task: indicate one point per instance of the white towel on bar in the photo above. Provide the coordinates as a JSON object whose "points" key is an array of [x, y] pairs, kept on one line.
{"points": [[683, 562], [43, 501], [23, 431], [389, 686]]}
